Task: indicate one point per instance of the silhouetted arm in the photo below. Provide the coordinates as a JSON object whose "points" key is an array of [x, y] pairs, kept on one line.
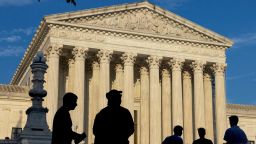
{"points": [[227, 136]]}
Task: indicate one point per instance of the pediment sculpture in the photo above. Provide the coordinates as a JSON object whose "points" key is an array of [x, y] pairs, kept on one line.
{"points": [[142, 20]]}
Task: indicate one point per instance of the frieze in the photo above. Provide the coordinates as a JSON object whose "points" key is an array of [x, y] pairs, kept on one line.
{"points": [[205, 50], [142, 20], [76, 35]]}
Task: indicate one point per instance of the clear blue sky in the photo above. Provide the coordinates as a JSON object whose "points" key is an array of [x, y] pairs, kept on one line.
{"points": [[235, 19]]}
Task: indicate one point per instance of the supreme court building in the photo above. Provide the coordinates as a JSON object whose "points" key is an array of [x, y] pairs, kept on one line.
{"points": [[171, 70]]}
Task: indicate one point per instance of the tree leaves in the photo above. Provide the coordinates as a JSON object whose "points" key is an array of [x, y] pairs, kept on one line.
{"points": [[69, 1]]}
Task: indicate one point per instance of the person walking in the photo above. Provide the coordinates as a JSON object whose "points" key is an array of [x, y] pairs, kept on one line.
{"points": [[62, 124]]}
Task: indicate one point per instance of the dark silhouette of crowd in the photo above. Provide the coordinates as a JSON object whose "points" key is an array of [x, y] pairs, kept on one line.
{"points": [[114, 125]]}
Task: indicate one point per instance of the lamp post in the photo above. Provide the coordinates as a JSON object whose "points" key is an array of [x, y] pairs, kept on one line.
{"points": [[36, 130]]}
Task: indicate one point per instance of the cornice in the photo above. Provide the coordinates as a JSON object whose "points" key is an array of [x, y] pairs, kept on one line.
{"points": [[14, 92], [30, 52], [124, 7], [134, 35], [13, 88], [241, 109]]}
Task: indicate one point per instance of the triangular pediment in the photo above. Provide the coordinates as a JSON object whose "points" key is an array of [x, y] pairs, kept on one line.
{"points": [[142, 18]]}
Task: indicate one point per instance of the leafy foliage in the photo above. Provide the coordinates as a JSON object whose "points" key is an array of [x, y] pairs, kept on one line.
{"points": [[69, 1]]}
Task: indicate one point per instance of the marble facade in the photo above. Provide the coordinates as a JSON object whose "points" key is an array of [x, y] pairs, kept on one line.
{"points": [[171, 71]]}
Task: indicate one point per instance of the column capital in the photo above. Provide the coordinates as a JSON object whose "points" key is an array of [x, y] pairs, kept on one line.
{"points": [[219, 68], [129, 58], [176, 64], [207, 76], [95, 65], [186, 75], [144, 70], [71, 61], [54, 50], [80, 52], [119, 68], [154, 61], [165, 73], [198, 66], [104, 56]]}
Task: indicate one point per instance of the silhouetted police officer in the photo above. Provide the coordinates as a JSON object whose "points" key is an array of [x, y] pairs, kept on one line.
{"points": [[113, 124], [62, 124]]}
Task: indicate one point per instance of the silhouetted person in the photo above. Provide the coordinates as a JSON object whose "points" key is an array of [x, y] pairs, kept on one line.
{"points": [[202, 139], [176, 138], [113, 124], [62, 124], [235, 135]]}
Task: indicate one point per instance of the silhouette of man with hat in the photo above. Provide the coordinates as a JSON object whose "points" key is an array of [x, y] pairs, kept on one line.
{"points": [[114, 123]]}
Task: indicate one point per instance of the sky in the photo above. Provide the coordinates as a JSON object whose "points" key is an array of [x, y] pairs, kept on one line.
{"points": [[235, 19]]}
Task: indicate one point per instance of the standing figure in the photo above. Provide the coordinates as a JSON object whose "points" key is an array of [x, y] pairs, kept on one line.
{"points": [[202, 139], [176, 138], [113, 124], [235, 135], [62, 124]]}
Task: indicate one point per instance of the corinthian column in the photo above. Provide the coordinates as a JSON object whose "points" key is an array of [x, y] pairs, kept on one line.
{"points": [[95, 86], [166, 102], [144, 105], [220, 101], [198, 67], [53, 80], [71, 70], [104, 57], [154, 101], [128, 97], [93, 99], [208, 105], [177, 106], [79, 85], [188, 107]]}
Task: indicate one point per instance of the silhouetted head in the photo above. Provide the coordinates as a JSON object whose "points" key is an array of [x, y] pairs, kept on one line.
{"points": [[69, 101], [233, 120], [178, 130], [201, 132], [114, 98]]}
